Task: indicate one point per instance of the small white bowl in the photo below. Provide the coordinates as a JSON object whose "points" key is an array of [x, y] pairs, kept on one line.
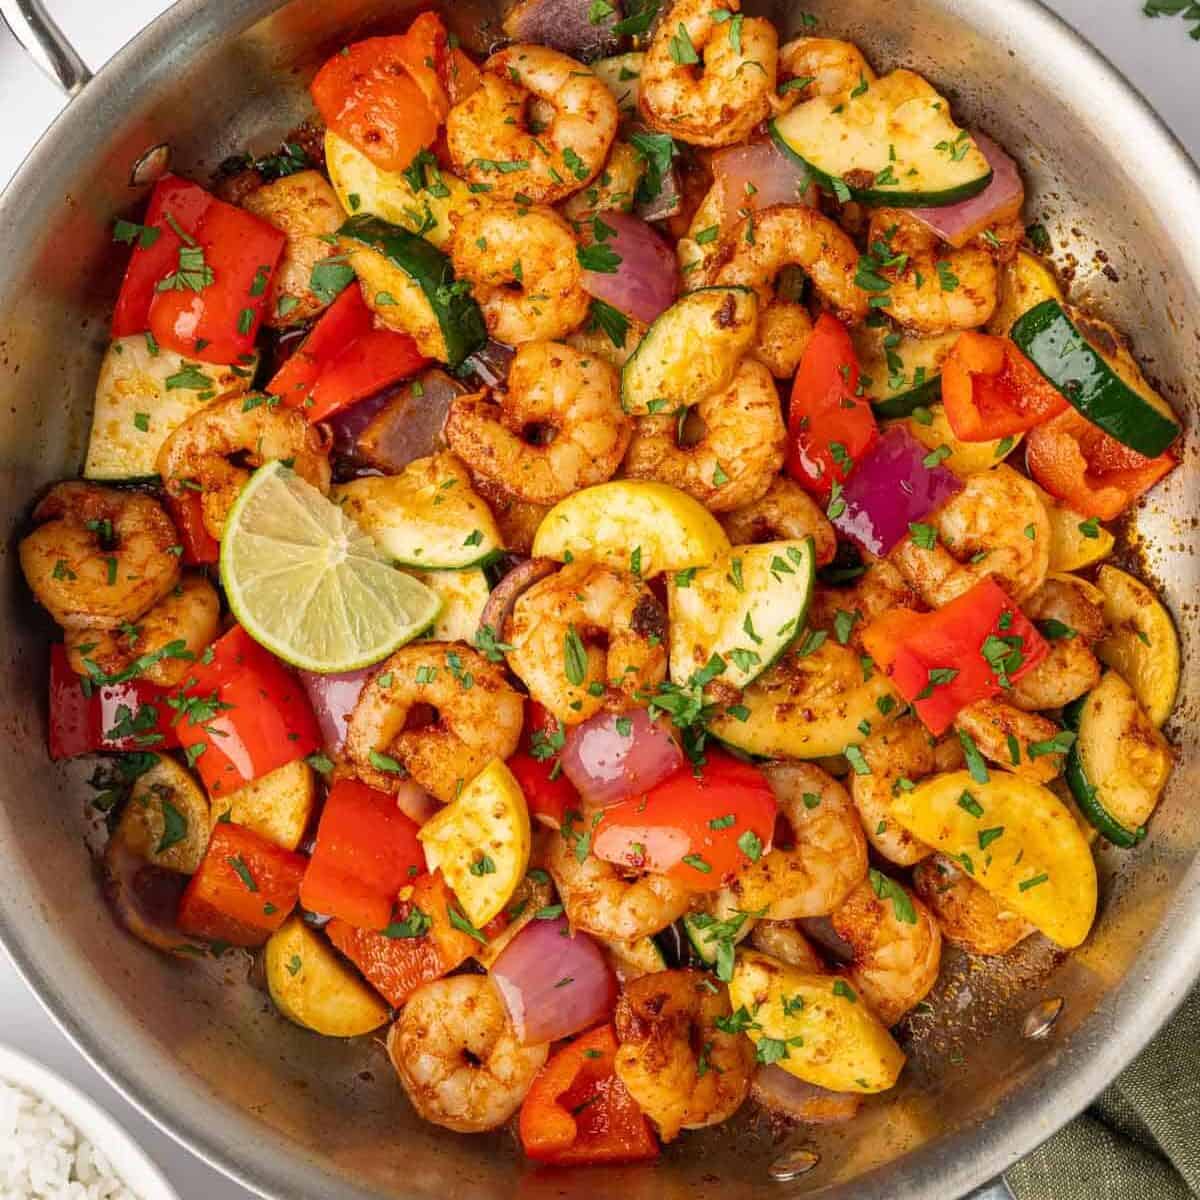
{"points": [[137, 1171]]}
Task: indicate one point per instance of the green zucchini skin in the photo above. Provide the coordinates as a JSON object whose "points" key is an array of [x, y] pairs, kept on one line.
{"points": [[1086, 795], [1048, 337], [905, 404], [458, 315]]}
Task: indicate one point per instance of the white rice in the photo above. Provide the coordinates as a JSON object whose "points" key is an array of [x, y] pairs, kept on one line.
{"points": [[44, 1157]]}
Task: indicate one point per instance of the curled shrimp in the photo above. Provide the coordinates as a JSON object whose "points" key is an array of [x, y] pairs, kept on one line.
{"points": [[587, 638], [517, 519], [900, 751], [791, 235], [603, 901], [1005, 734], [478, 717], [739, 453], [932, 288], [458, 1056], [896, 945], [558, 428], [810, 872], [99, 557], [785, 513], [1071, 669], [969, 915], [211, 451], [189, 615], [525, 273], [831, 67], [996, 526], [706, 81], [880, 588], [489, 134], [682, 1068]]}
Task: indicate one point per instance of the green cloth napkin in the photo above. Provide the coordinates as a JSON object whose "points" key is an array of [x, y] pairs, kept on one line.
{"points": [[1140, 1140]]}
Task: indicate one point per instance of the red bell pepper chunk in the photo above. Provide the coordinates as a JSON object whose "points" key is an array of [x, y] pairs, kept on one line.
{"points": [[991, 390], [418, 946], [244, 889], [1087, 469], [577, 1111], [247, 711], [830, 426], [549, 794], [366, 851], [968, 650], [699, 830], [86, 717], [200, 548]]}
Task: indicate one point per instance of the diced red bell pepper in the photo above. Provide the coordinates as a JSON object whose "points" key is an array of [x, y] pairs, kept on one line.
{"points": [[366, 851], [247, 711], [830, 426], [549, 794], [965, 651], [344, 360], [384, 94], [243, 890], [577, 1111], [460, 76], [1093, 473], [86, 717], [700, 830], [991, 390], [413, 949], [200, 548]]}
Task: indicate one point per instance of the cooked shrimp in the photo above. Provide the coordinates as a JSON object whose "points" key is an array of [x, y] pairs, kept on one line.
{"points": [[900, 751], [785, 513], [517, 519], [896, 942], [933, 289], [491, 141], [584, 626], [478, 717], [185, 620], [211, 451], [791, 235], [1004, 734], [880, 588], [736, 458], [784, 941], [1070, 670], [997, 525], [558, 428], [99, 557], [969, 916], [809, 873], [706, 81], [832, 67], [603, 901], [683, 1070], [458, 1056], [522, 263]]}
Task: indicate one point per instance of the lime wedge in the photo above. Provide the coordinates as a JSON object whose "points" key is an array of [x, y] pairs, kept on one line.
{"points": [[311, 586]]}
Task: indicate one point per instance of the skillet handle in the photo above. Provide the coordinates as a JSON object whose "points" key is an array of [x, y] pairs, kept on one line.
{"points": [[45, 43]]}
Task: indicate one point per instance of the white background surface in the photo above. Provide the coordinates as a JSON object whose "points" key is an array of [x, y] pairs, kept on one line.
{"points": [[1157, 55]]}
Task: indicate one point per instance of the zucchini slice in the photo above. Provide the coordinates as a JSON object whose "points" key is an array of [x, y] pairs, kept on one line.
{"points": [[932, 430], [1024, 283], [891, 142], [1075, 541], [143, 395], [411, 287], [277, 805], [1095, 378], [464, 595], [1142, 643], [632, 960], [166, 820], [622, 75], [1119, 763], [724, 924], [691, 351], [426, 517], [747, 607], [900, 373], [362, 187]]}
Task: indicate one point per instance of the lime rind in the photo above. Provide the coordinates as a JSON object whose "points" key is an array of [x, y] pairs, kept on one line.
{"points": [[308, 584]]}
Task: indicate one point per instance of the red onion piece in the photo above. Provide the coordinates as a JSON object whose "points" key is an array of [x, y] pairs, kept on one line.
{"points": [[667, 203], [821, 932], [1002, 198], [565, 25], [775, 178], [646, 281], [416, 803], [790, 1097], [144, 897], [554, 984], [504, 595], [333, 698], [347, 424], [890, 489], [607, 766], [409, 426], [492, 363]]}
